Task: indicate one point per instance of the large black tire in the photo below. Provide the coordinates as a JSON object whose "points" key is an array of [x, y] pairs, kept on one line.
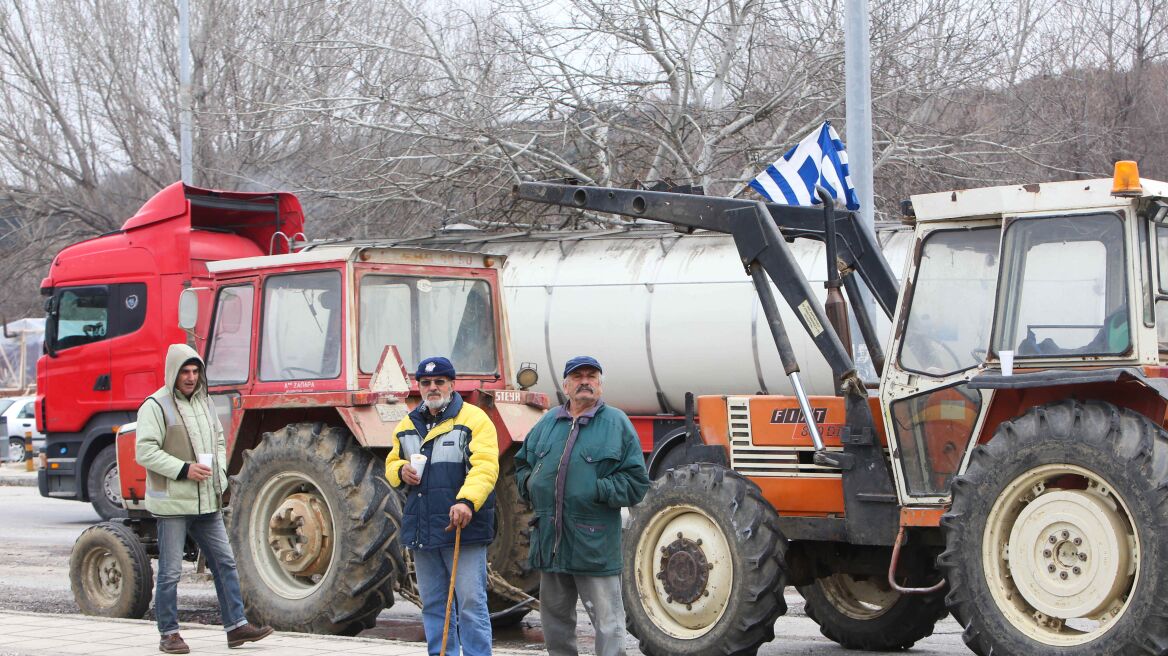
{"points": [[508, 553], [867, 614], [705, 565], [110, 572], [102, 484], [303, 483], [1056, 540]]}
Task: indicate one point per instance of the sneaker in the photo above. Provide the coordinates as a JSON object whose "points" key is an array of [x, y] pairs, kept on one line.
{"points": [[247, 633], [173, 644]]}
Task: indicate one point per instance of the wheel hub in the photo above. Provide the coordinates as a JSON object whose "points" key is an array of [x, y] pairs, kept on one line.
{"points": [[299, 534], [1068, 554], [111, 486], [684, 570], [109, 575]]}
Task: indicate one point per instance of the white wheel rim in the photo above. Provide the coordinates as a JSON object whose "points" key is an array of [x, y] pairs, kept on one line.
{"points": [[104, 574], [859, 599], [111, 486], [691, 618], [271, 496], [1061, 555]]}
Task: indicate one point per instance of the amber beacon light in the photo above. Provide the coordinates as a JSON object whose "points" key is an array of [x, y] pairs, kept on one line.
{"points": [[1126, 181]]}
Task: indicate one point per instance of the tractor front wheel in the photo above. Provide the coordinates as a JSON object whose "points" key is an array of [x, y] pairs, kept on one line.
{"points": [[705, 565], [110, 572], [1056, 539]]}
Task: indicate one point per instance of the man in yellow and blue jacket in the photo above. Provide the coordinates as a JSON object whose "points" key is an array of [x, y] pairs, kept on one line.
{"points": [[455, 488]]}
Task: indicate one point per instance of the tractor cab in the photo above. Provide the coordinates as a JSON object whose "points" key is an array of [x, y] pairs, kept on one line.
{"points": [[1010, 288]]}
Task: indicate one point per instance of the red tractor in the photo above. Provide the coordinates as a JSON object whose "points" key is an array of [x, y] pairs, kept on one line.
{"points": [[293, 344]]}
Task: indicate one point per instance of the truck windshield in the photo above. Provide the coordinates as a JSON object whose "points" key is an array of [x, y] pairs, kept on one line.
{"points": [[1063, 288], [302, 336], [425, 317], [952, 302]]}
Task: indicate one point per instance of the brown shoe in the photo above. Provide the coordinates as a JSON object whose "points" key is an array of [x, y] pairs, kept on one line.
{"points": [[173, 644], [247, 633]]}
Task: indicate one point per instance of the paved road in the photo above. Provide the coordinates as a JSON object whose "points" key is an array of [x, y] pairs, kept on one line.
{"points": [[38, 534]]}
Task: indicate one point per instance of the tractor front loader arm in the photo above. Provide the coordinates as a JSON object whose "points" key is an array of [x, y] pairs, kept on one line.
{"points": [[760, 233]]}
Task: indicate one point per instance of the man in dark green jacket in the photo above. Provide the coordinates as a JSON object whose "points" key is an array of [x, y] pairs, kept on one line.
{"points": [[579, 465]]}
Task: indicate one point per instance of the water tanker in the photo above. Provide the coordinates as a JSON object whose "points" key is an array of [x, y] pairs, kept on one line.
{"points": [[665, 313]]}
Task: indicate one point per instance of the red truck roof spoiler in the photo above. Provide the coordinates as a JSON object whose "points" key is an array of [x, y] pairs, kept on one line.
{"points": [[258, 216]]}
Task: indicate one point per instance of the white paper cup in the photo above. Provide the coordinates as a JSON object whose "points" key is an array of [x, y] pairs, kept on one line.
{"points": [[419, 462], [206, 459], [1007, 358]]}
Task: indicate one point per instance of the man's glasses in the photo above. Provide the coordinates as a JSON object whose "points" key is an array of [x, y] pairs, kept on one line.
{"points": [[433, 382]]}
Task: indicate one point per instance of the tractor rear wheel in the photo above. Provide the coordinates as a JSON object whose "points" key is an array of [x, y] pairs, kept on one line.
{"points": [[705, 565], [866, 613], [110, 572], [507, 555], [1057, 539], [313, 525]]}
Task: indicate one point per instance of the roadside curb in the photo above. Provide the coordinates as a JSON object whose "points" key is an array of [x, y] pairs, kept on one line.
{"points": [[13, 474], [18, 481]]}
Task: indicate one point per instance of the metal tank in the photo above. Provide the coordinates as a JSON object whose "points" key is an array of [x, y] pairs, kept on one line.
{"points": [[664, 313]]}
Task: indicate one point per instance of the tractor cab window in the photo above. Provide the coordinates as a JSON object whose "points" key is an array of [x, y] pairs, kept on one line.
{"points": [[301, 338], [1063, 289], [229, 356], [952, 302], [1162, 288], [424, 317]]}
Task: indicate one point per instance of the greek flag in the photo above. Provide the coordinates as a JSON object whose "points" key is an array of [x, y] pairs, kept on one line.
{"points": [[819, 159]]}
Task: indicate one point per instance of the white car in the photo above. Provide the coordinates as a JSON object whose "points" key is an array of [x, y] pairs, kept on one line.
{"points": [[17, 420]]}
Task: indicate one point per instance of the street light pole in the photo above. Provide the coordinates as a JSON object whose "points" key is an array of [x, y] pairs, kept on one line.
{"points": [[858, 83], [184, 91]]}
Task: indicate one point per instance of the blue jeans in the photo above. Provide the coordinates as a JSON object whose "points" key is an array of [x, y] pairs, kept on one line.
{"points": [[208, 532], [470, 620]]}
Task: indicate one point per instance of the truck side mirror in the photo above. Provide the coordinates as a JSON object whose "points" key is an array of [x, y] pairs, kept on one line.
{"points": [[188, 308], [49, 345]]}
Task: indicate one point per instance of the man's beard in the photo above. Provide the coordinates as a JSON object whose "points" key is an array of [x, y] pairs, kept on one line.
{"points": [[436, 405]]}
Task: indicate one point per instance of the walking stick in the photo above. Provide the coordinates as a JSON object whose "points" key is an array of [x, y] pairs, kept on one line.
{"points": [[450, 594]]}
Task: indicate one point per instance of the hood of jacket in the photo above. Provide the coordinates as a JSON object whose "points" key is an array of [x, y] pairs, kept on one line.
{"points": [[177, 356]]}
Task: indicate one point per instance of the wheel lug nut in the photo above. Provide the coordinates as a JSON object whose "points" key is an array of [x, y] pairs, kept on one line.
{"points": [[1063, 575], [1066, 534], [699, 542], [1046, 553], [1082, 556], [679, 536], [1053, 539], [1050, 568], [1078, 541], [1077, 571]]}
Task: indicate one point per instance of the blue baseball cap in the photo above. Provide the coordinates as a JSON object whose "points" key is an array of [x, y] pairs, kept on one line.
{"points": [[581, 361], [438, 366]]}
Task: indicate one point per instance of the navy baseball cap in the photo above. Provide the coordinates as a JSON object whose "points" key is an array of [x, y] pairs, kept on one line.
{"points": [[581, 361], [435, 367]]}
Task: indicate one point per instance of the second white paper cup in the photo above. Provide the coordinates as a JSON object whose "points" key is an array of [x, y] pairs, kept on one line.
{"points": [[419, 462], [206, 459], [1007, 358]]}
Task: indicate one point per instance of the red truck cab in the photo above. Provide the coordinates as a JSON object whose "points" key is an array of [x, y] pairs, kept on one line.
{"points": [[112, 308]]}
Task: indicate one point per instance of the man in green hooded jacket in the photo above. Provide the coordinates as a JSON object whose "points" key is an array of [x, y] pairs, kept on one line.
{"points": [[180, 443], [578, 466]]}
